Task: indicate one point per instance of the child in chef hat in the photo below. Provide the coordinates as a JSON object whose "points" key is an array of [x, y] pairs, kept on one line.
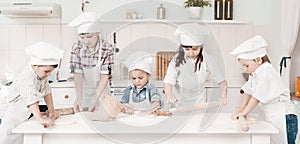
{"points": [[141, 94], [266, 88], [189, 69], [90, 61], [27, 90]]}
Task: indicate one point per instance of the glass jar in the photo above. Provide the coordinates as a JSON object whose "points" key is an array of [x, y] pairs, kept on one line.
{"points": [[161, 12]]}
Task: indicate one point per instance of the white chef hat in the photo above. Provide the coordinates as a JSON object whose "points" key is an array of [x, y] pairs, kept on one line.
{"points": [[139, 60], [252, 48], [192, 34], [42, 53], [84, 22]]}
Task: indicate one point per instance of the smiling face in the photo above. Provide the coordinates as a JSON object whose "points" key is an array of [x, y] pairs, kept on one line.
{"points": [[250, 65], [192, 51], [90, 40], [43, 72], [139, 78]]}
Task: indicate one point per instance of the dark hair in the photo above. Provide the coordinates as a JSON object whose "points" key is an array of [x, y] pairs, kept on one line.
{"points": [[265, 59], [181, 60]]}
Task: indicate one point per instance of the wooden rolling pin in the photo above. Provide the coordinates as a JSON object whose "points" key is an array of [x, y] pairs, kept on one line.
{"points": [[201, 106], [242, 124], [162, 113]]}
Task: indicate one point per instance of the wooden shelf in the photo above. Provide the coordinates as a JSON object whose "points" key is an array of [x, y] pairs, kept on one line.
{"points": [[176, 21]]}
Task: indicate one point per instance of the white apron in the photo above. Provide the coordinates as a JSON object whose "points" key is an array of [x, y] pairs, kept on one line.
{"points": [[190, 85], [91, 78], [15, 114], [140, 105], [275, 114]]}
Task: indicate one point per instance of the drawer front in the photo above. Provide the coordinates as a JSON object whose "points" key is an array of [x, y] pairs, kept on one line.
{"points": [[63, 97]]}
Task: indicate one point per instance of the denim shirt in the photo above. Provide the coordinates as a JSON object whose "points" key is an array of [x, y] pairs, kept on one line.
{"points": [[153, 93]]}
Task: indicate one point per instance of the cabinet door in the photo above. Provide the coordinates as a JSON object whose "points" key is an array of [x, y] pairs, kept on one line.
{"points": [[63, 97]]}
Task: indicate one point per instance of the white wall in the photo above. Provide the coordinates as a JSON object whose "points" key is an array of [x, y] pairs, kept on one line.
{"points": [[16, 33]]}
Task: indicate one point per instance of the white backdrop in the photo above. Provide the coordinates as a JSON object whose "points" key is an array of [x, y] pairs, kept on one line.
{"points": [[290, 19]]}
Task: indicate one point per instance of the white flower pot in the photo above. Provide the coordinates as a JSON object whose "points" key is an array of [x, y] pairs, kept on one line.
{"points": [[195, 12]]}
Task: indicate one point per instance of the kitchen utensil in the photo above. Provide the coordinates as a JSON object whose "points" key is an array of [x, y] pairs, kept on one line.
{"points": [[201, 106], [162, 113], [242, 124], [252, 118]]}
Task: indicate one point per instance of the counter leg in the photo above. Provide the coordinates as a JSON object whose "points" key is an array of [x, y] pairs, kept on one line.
{"points": [[260, 139], [33, 138]]}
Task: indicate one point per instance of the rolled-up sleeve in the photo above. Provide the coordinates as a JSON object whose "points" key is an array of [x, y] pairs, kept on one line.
{"points": [[75, 60], [29, 92], [155, 95], [125, 97], [247, 87], [107, 59]]}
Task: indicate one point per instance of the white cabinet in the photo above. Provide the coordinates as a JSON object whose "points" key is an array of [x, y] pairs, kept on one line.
{"points": [[63, 94], [63, 97]]}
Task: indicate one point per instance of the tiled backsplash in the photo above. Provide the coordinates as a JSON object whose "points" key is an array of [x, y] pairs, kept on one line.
{"points": [[149, 37]]}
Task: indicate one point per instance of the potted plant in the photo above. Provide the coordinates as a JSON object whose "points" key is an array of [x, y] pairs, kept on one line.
{"points": [[196, 6]]}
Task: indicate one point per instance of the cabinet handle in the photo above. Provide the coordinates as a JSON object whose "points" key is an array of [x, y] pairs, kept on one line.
{"points": [[66, 96]]}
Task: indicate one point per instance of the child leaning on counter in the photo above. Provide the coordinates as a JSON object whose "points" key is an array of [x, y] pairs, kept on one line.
{"points": [[91, 60], [27, 90], [266, 88], [141, 95]]}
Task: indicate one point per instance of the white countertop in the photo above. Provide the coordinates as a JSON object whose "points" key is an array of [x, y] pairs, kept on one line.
{"points": [[78, 124], [66, 84], [122, 83]]}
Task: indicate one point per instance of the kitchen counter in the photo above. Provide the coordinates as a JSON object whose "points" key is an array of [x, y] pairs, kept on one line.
{"points": [[160, 84], [66, 84], [122, 83], [77, 130]]}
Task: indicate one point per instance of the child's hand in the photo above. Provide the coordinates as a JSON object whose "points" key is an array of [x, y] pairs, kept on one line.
{"points": [[46, 122], [172, 99], [234, 116], [128, 109], [94, 105], [54, 116], [77, 107]]}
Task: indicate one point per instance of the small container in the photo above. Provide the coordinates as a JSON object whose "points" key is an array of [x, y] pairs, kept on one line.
{"points": [[161, 12], [228, 14], [298, 87], [218, 9]]}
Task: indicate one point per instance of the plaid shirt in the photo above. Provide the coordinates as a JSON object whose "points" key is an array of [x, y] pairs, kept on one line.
{"points": [[82, 57]]}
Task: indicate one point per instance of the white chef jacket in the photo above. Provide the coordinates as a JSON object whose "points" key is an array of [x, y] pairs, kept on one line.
{"points": [[187, 84], [25, 90], [266, 86]]}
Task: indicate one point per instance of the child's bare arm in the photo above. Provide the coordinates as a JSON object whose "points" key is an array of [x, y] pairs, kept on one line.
{"points": [[249, 107], [46, 122]]}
